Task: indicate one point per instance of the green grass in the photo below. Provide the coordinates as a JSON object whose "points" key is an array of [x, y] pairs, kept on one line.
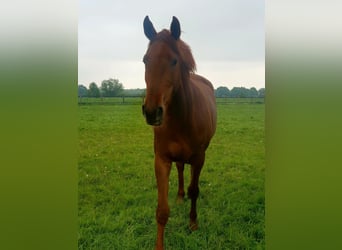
{"points": [[117, 187]]}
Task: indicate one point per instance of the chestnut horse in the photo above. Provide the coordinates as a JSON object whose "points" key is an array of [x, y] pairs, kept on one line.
{"points": [[180, 106]]}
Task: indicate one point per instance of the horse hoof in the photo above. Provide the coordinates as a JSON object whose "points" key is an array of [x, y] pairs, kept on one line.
{"points": [[193, 225]]}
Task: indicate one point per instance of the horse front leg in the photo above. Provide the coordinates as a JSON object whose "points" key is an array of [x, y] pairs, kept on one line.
{"points": [[162, 172], [181, 193]]}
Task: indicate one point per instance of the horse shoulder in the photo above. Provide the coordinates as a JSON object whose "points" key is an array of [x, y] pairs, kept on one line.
{"points": [[204, 109]]}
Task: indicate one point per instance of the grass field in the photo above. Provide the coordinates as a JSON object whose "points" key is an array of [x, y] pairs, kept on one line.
{"points": [[117, 187]]}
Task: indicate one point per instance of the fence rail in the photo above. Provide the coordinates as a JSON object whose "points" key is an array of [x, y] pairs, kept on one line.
{"points": [[131, 100], [234, 100], [110, 100]]}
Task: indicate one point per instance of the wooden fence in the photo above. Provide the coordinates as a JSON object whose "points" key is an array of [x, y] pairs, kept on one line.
{"points": [[132, 100]]}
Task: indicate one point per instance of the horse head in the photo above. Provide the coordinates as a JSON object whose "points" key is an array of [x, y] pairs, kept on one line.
{"points": [[162, 70]]}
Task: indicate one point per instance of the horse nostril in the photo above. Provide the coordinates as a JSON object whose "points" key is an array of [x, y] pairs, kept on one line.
{"points": [[153, 117], [159, 111]]}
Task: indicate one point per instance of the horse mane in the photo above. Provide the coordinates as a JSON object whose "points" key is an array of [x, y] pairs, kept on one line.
{"points": [[180, 48]]}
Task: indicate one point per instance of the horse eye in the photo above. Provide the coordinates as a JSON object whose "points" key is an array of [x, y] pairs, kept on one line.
{"points": [[173, 62]]}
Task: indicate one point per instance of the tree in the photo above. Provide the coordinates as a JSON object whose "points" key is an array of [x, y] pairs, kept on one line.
{"points": [[238, 92], [261, 92], [222, 92], [253, 92], [82, 91], [111, 87], [93, 90]]}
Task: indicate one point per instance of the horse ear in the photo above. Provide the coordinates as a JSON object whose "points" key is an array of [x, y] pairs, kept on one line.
{"points": [[175, 28], [149, 30]]}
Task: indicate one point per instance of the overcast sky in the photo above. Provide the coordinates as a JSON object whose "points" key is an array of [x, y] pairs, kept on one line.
{"points": [[226, 38]]}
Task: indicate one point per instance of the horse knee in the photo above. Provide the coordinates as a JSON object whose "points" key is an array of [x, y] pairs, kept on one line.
{"points": [[193, 192], [162, 215]]}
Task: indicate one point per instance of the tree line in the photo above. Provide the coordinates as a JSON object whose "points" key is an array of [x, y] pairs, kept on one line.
{"points": [[240, 92], [114, 88], [109, 88]]}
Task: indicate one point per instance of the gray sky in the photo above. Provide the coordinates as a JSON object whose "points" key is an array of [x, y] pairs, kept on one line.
{"points": [[226, 38]]}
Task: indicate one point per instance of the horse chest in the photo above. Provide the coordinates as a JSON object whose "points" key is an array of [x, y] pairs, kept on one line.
{"points": [[174, 148], [179, 151]]}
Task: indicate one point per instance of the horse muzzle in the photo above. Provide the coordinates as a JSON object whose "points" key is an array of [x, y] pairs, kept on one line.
{"points": [[153, 117]]}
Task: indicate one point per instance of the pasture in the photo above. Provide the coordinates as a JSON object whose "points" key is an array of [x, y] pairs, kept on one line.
{"points": [[117, 186]]}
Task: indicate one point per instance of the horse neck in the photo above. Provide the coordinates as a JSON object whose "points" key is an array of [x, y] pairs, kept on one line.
{"points": [[181, 105]]}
